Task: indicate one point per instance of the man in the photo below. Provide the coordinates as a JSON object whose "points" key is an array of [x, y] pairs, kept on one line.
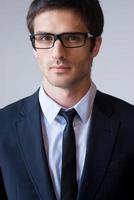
{"points": [[66, 36]]}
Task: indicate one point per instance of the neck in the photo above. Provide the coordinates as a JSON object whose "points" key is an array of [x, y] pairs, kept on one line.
{"points": [[66, 97]]}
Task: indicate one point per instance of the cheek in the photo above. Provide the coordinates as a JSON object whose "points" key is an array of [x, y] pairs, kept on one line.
{"points": [[80, 55], [42, 59], [84, 65], [83, 60]]}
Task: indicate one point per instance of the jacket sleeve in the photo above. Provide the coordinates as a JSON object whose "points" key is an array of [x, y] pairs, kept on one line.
{"points": [[2, 188]]}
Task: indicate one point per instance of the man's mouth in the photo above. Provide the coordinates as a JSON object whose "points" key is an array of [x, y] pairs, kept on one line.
{"points": [[60, 68]]}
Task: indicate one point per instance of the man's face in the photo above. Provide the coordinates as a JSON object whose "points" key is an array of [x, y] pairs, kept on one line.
{"points": [[64, 67]]}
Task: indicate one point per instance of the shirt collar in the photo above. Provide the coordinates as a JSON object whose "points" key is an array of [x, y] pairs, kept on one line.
{"points": [[85, 105], [51, 109]]}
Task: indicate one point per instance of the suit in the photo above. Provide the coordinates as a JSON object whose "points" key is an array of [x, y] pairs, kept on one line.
{"points": [[108, 172]]}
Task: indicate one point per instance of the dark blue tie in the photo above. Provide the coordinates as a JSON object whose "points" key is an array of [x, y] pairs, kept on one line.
{"points": [[69, 186]]}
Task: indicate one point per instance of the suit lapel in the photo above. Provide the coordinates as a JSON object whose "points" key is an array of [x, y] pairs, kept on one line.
{"points": [[32, 149], [101, 141]]}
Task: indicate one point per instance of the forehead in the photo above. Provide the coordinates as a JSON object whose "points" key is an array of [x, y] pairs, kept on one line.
{"points": [[59, 20]]}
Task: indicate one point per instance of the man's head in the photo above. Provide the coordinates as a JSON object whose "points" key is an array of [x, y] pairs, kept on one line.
{"points": [[89, 10], [66, 36]]}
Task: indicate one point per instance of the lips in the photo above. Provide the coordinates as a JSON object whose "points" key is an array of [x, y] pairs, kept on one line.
{"points": [[60, 68]]}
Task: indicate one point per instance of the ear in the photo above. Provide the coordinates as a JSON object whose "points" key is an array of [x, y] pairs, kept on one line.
{"points": [[96, 48]]}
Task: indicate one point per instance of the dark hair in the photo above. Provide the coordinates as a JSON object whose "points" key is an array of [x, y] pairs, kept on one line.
{"points": [[89, 10]]}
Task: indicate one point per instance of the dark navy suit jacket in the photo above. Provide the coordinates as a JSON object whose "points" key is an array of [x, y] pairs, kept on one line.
{"points": [[108, 172]]}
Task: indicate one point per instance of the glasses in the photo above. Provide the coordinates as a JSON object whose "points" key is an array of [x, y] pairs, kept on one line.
{"points": [[68, 40]]}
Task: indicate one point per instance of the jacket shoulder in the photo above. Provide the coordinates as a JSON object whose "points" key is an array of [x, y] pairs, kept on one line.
{"points": [[11, 111], [107, 102]]}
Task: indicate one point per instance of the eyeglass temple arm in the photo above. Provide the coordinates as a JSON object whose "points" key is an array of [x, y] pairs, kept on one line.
{"points": [[89, 35]]}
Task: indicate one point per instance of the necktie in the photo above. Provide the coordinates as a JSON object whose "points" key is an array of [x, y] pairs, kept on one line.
{"points": [[69, 173]]}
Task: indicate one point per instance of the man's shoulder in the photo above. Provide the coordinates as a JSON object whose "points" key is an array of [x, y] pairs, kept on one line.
{"points": [[113, 99], [12, 110], [115, 104]]}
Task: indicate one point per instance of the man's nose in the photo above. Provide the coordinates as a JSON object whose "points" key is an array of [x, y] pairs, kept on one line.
{"points": [[58, 50]]}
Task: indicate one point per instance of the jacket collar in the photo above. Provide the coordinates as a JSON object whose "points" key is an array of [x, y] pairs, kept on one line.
{"points": [[101, 140], [31, 146]]}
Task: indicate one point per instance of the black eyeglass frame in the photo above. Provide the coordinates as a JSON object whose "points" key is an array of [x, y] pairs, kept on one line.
{"points": [[59, 37]]}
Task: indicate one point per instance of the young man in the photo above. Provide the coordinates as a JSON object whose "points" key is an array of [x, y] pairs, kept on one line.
{"points": [[38, 158]]}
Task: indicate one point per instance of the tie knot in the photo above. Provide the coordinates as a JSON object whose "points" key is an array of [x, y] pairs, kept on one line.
{"points": [[68, 115]]}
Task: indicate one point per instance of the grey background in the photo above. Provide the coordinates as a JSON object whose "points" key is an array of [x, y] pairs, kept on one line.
{"points": [[113, 69]]}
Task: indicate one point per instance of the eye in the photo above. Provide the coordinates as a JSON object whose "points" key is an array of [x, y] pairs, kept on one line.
{"points": [[72, 38], [44, 37]]}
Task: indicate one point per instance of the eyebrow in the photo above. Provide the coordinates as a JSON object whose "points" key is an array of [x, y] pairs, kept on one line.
{"points": [[41, 32], [44, 32]]}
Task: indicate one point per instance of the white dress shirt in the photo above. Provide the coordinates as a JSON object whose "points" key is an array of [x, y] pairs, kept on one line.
{"points": [[53, 126]]}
